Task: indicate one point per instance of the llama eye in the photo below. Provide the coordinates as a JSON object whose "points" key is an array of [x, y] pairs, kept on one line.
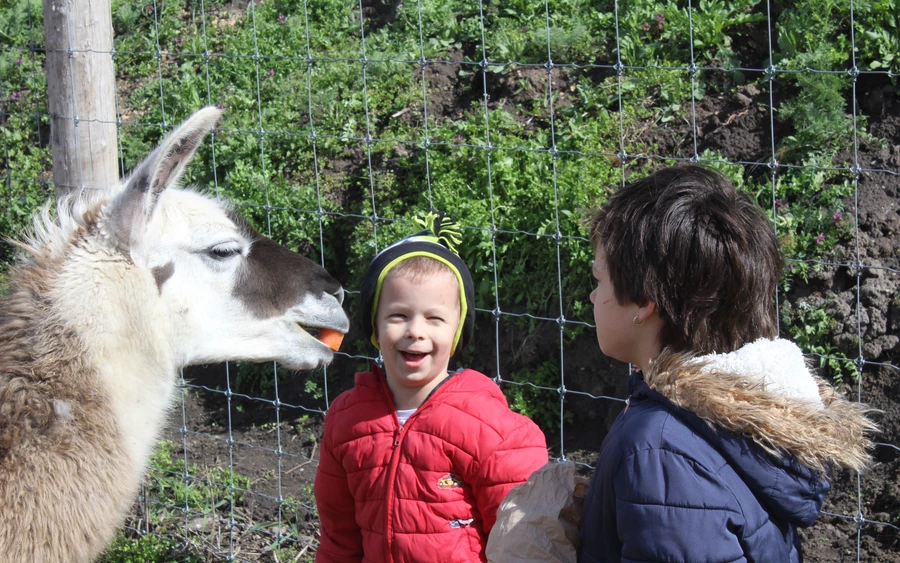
{"points": [[221, 252]]}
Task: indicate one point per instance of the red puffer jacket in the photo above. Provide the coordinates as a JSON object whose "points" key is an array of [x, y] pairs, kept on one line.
{"points": [[425, 491]]}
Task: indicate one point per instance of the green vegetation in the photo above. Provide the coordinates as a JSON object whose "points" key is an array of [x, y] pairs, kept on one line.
{"points": [[204, 490], [811, 329], [171, 492], [536, 395], [146, 549]]}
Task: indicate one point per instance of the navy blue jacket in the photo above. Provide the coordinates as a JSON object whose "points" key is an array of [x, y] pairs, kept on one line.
{"points": [[669, 488]]}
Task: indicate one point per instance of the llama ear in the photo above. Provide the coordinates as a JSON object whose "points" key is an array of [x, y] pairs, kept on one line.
{"points": [[161, 169], [166, 164]]}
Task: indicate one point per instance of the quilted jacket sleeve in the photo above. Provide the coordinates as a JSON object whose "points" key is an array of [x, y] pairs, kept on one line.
{"points": [[669, 508], [340, 539], [521, 453]]}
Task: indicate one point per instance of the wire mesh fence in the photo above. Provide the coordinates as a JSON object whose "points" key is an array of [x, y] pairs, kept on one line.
{"points": [[343, 119]]}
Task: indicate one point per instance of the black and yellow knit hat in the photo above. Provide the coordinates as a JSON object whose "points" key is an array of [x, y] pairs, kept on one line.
{"points": [[438, 241]]}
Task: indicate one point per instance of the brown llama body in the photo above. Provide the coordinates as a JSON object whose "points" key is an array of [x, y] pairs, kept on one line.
{"points": [[43, 450], [109, 303]]}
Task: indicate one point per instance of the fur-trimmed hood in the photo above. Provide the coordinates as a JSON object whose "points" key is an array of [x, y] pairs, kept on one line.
{"points": [[766, 392]]}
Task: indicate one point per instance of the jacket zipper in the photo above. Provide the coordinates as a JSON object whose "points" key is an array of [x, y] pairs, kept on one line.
{"points": [[392, 476], [395, 463]]}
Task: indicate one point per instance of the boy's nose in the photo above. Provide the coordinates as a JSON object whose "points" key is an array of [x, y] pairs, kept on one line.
{"points": [[414, 330]]}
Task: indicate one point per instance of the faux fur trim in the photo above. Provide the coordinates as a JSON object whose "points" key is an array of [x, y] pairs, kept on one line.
{"points": [[778, 366], [835, 432]]}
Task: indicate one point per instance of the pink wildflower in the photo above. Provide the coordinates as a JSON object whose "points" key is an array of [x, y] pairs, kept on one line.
{"points": [[282, 18], [821, 238], [838, 216], [270, 73]]}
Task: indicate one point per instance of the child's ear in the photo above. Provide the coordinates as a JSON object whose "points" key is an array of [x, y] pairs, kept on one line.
{"points": [[645, 312]]}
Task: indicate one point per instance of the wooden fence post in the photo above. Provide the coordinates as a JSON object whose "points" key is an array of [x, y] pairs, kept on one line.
{"points": [[81, 93]]}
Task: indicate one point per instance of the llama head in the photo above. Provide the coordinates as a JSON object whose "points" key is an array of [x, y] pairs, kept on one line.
{"points": [[228, 292]]}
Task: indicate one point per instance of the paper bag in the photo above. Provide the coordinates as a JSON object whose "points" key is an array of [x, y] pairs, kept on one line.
{"points": [[539, 520]]}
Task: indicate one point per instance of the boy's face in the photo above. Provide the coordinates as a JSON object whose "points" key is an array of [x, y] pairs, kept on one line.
{"points": [[415, 324], [616, 331]]}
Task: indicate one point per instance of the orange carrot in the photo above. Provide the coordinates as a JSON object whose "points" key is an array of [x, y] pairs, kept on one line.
{"points": [[331, 338]]}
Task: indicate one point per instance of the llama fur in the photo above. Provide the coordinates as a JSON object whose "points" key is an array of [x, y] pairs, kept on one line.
{"points": [[106, 304]]}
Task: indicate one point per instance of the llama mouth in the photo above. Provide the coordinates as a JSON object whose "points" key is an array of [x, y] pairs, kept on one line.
{"points": [[310, 330], [326, 336]]}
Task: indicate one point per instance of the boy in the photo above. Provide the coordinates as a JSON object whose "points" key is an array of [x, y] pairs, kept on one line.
{"points": [[723, 448], [415, 460]]}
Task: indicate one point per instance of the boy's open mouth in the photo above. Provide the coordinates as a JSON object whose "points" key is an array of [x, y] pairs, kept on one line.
{"points": [[413, 357]]}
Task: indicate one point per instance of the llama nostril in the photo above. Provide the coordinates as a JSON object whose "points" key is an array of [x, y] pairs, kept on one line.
{"points": [[339, 295]]}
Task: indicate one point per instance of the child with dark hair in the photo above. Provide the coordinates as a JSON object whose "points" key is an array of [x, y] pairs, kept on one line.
{"points": [[723, 448], [415, 460]]}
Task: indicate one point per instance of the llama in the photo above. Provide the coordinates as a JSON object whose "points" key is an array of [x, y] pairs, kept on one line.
{"points": [[125, 288]]}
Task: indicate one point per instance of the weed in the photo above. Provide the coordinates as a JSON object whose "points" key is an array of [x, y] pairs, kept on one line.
{"points": [[534, 394], [811, 329], [132, 548], [195, 489]]}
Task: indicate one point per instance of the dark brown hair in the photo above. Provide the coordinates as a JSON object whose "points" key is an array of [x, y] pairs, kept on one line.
{"points": [[685, 239]]}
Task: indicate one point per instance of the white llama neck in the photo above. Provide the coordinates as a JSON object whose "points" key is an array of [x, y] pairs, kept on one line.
{"points": [[128, 338]]}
